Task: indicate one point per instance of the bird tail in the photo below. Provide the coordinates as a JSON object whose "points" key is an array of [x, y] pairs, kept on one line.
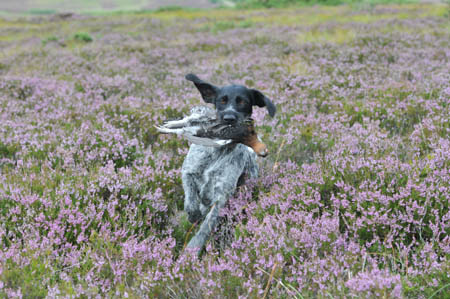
{"points": [[177, 130]]}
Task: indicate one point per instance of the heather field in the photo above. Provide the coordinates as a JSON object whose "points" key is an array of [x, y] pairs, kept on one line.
{"points": [[352, 202]]}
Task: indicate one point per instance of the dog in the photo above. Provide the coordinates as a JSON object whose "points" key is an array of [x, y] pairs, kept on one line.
{"points": [[210, 175]]}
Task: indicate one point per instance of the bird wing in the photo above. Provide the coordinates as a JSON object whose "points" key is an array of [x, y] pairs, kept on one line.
{"points": [[207, 141], [179, 131], [236, 132]]}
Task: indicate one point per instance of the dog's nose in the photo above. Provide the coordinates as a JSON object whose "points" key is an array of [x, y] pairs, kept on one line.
{"points": [[229, 118]]}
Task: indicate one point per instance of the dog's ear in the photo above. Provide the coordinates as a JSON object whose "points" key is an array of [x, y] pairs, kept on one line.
{"points": [[261, 100], [208, 91]]}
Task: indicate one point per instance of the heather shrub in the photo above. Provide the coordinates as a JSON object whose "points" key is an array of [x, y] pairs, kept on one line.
{"points": [[83, 37], [8, 151], [49, 39], [351, 202], [220, 26]]}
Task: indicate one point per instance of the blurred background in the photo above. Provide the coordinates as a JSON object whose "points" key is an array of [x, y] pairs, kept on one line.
{"points": [[83, 6], [57, 6]]}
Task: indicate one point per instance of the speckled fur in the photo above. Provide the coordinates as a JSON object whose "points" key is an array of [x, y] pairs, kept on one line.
{"points": [[210, 176]]}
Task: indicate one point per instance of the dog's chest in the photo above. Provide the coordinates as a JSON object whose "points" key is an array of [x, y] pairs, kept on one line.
{"points": [[200, 158]]}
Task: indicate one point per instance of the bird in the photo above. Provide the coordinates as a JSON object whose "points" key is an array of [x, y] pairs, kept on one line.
{"points": [[202, 127]]}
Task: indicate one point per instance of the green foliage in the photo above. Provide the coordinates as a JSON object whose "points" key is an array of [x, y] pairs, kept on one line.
{"points": [[8, 150], [17, 89], [305, 148], [3, 67], [434, 285], [42, 11], [169, 8], [49, 39], [204, 47], [282, 3], [227, 25], [183, 231], [286, 3], [83, 37], [32, 279]]}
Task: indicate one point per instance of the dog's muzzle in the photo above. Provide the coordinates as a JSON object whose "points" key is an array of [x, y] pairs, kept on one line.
{"points": [[229, 118]]}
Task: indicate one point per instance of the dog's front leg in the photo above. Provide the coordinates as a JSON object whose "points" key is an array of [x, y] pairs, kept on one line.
{"points": [[191, 198], [224, 180], [210, 222], [194, 165]]}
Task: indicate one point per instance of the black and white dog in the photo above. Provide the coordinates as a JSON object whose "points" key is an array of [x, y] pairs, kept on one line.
{"points": [[211, 174]]}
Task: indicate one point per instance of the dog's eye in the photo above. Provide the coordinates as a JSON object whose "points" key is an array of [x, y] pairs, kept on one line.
{"points": [[239, 101], [223, 100]]}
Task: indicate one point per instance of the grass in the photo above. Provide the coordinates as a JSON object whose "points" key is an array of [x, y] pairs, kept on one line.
{"points": [[81, 97], [48, 7]]}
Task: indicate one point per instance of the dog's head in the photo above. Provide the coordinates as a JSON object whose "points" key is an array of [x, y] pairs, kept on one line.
{"points": [[233, 102]]}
